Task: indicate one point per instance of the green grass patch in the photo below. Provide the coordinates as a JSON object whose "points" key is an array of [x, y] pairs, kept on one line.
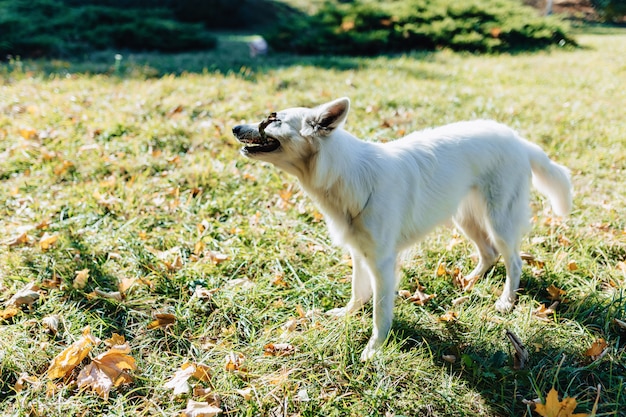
{"points": [[138, 177]]}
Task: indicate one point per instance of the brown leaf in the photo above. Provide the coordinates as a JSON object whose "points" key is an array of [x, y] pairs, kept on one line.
{"points": [[521, 353], [279, 349], [67, 360], [108, 370], [531, 260], [419, 297], [162, 320], [26, 296], [18, 240], [597, 349], [621, 324], [556, 294], [542, 312], [112, 295], [572, 266]]}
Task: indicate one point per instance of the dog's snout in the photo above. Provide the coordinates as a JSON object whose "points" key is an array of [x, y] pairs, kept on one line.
{"points": [[237, 130]]}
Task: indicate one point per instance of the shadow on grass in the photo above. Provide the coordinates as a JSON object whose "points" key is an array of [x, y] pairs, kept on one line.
{"points": [[486, 363]]}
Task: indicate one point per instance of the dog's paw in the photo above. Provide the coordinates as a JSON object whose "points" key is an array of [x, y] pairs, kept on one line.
{"points": [[368, 353], [338, 312], [504, 304]]}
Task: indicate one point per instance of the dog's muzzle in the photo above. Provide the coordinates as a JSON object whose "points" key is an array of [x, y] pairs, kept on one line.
{"points": [[254, 142]]}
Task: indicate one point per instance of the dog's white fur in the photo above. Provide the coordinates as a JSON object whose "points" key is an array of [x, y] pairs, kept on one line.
{"points": [[378, 199]]}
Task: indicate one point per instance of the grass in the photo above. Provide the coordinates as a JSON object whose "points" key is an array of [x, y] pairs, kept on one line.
{"points": [[131, 168]]}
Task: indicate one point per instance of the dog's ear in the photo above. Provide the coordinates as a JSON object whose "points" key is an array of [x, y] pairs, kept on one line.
{"points": [[324, 119]]}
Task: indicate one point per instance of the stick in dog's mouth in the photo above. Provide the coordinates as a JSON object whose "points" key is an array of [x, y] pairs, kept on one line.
{"points": [[262, 143]]}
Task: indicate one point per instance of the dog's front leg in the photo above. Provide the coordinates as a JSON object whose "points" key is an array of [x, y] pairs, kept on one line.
{"points": [[361, 287], [384, 284]]}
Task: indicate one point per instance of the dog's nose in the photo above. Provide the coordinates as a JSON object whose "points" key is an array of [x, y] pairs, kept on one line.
{"points": [[236, 130]]}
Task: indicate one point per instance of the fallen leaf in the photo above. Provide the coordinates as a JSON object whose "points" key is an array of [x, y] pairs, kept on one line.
{"points": [[450, 316], [531, 260], [556, 294], [555, 408], [234, 362], [463, 282], [71, 356], [80, 280], [460, 300], [279, 349], [24, 377], [26, 296], [441, 269], [8, 313], [51, 323], [113, 295], [115, 340], [449, 358], [179, 381], [108, 370], [125, 283], [216, 257], [47, 241], [597, 349], [200, 409], [246, 393], [572, 266], [162, 320], [419, 297], [243, 283], [18, 240], [542, 312], [621, 324], [521, 353]]}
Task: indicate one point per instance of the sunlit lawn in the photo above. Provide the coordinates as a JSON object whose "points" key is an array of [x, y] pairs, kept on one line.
{"points": [[135, 177]]}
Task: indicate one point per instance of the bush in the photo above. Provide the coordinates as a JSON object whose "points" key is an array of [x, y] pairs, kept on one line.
{"points": [[368, 27], [52, 28], [610, 10]]}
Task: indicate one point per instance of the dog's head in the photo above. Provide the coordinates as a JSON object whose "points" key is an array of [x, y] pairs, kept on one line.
{"points": [[290, 138]]}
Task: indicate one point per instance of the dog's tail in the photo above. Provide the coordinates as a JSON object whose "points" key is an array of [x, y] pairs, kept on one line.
{"points": [[551, 179]]}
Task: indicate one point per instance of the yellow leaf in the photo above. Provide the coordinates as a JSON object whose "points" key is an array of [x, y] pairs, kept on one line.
{"points": [[80, 280], [28, 133], [67, 360], [47, 241], [8, 313], [555, 408], [108, 370], [115, 340], [572, 266], [596, 349], [162, 320], [450, 316], [441, 269]]}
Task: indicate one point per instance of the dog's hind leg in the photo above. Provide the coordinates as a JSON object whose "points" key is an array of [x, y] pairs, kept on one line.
{"points": [[361, 287], [507, 224], [470, 219], [384, 283]]}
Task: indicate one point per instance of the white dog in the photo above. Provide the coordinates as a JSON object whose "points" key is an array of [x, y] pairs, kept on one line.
{"points": [[378, 199]]}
